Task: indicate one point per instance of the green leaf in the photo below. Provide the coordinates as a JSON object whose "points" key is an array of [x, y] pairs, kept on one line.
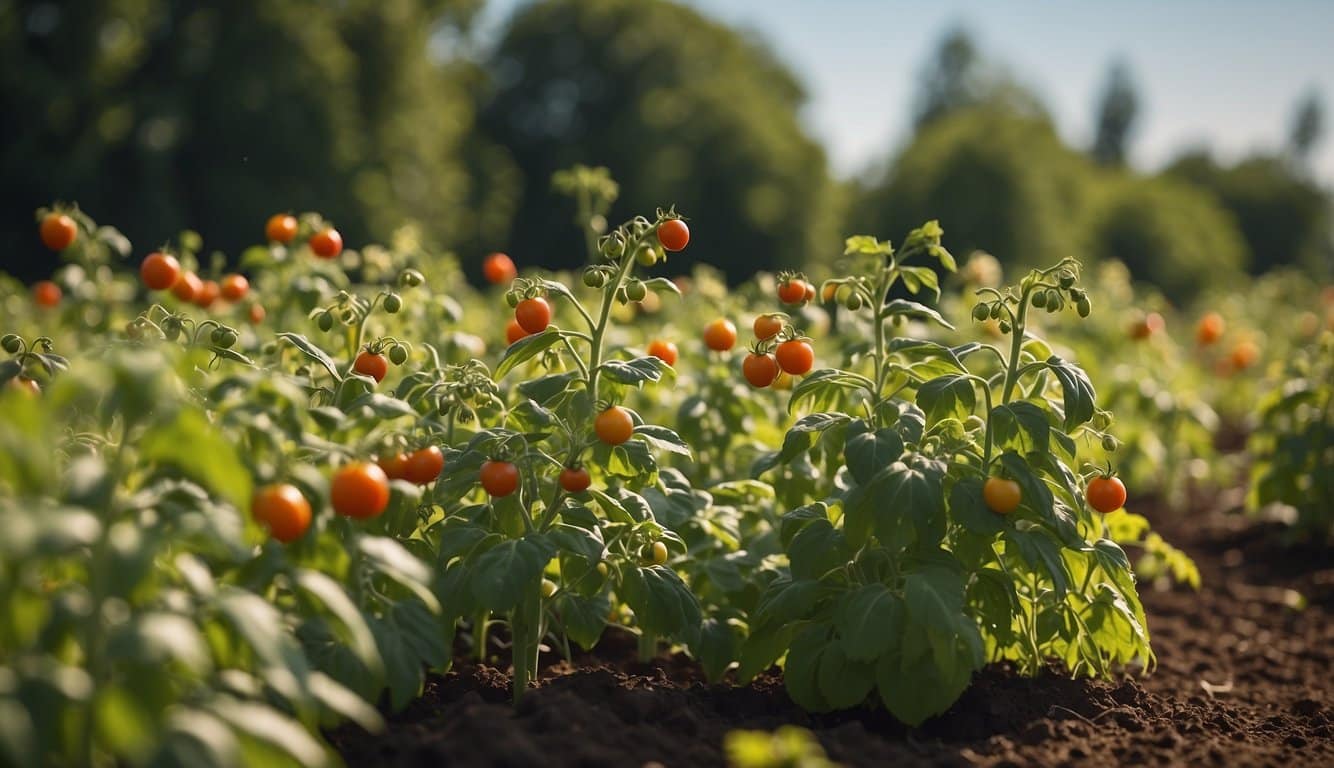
{"points": [[917, 278], [502, 572], [312, 352], [827, 388], [271, 727], [716, 648], [635, 372], [915, 311], [384, 406], [582, 618], [281, 661], [802, 668], [663, 439], [545, 389], [195, 447], [910, 506], [786, 601], [1042, 553], [867, 453], [1021, 418], [869, 621], [1076, 391], [584, 542], [844, 682], [950, 396], [967, 508], [816, 550], [526, 349], [662, 603]]}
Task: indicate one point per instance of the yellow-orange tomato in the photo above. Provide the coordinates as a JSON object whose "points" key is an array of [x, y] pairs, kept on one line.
{"points": [[187, 286], [256, 313], [395, 466], [1244, 354], [1002, 496], [657, 553], [327, 243], [207, 294], [46, 293], [280, 228], [1210, 329], [58, 231], [514, 331], [371, 364], [283, 510], [720, 335], [795, 356], [792, 291], [534, 315], [1143, 328], [759, 370], [614, 425], [767, 326], [159, 271], [1106, 494], [359, 490], [424, 465], [235, 287], [663, 350], [498, 268], [25, 385], [499, 478]]}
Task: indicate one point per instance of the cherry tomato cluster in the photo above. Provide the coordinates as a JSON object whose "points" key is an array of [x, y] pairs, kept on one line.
{"points": [[794, 289]]}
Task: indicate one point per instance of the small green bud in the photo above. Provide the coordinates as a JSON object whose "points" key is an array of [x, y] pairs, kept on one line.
{"points": [[224, 338], [512, 298], [1109, 443], [172, 331], [393, 303], [1005, 326], [325, 320], [1040, 299], [12, 343], [1066, 278], [411, 278], [854, 301], [980, 312], [621, 295], [996, 311], [1083, 307]]}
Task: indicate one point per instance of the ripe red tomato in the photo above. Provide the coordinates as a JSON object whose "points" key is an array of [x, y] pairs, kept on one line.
{"points": [[395, 467], [326, 243], [534, 315], [767, 326], [359, 490], [280, 228], [673, 234], [1244, 354], [614, 425], [187, 286], [1106, 493], [759, 370], [424, 465], [159, 271], [235, 287], [720, 335], [499, 478], [1210, 329], [207, 294], [58, 231], [663, 350], [514, 331], [792, 291], [795, 356], [370, 364], [498, 268], [257, 313], [283, 510], [575, 479], [810, 292], [46, 293], [1002, 496]]}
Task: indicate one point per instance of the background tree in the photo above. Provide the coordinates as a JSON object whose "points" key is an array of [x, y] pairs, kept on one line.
{"points": [[697, 116], [213, 114], [1116, 117], [957, 77], [1308, 128]]}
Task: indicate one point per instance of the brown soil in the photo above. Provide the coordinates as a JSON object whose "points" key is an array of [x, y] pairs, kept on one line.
{"points": [[1242, 680]]}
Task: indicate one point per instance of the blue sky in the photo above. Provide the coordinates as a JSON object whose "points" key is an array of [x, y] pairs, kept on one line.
{"points": [[1224, 73]]}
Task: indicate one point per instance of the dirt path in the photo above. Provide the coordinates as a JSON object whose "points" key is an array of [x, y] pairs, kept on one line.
{"points": [[1243, 679]]}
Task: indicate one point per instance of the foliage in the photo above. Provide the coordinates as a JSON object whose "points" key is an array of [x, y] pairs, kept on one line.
{"points": [[1169, 235], [1116, 117], [701, 116]]}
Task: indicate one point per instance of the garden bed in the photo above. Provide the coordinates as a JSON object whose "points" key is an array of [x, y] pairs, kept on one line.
{"points": [[1242, 680]]}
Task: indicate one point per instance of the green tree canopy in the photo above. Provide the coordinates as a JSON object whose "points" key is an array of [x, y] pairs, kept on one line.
{"points": [[1284, 217], [160, 114], [957, 76], [1116, 117], [681, 109], [996, 180]]}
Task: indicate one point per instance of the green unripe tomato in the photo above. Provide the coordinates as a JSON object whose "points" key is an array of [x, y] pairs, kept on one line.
{"points": [[621, 296], [411, 278], [980, 312], [647, 255], [393, 303], [635, 290], [1110, 443], [325, 320], [854, 301], [1040, 299], [1005, 326], [1083, 307], [548, 588], [398, 354], [133, 330], [613, 246], [593, 278], [1066, 278], [12, 343], [224, 337], [996, 311]]}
